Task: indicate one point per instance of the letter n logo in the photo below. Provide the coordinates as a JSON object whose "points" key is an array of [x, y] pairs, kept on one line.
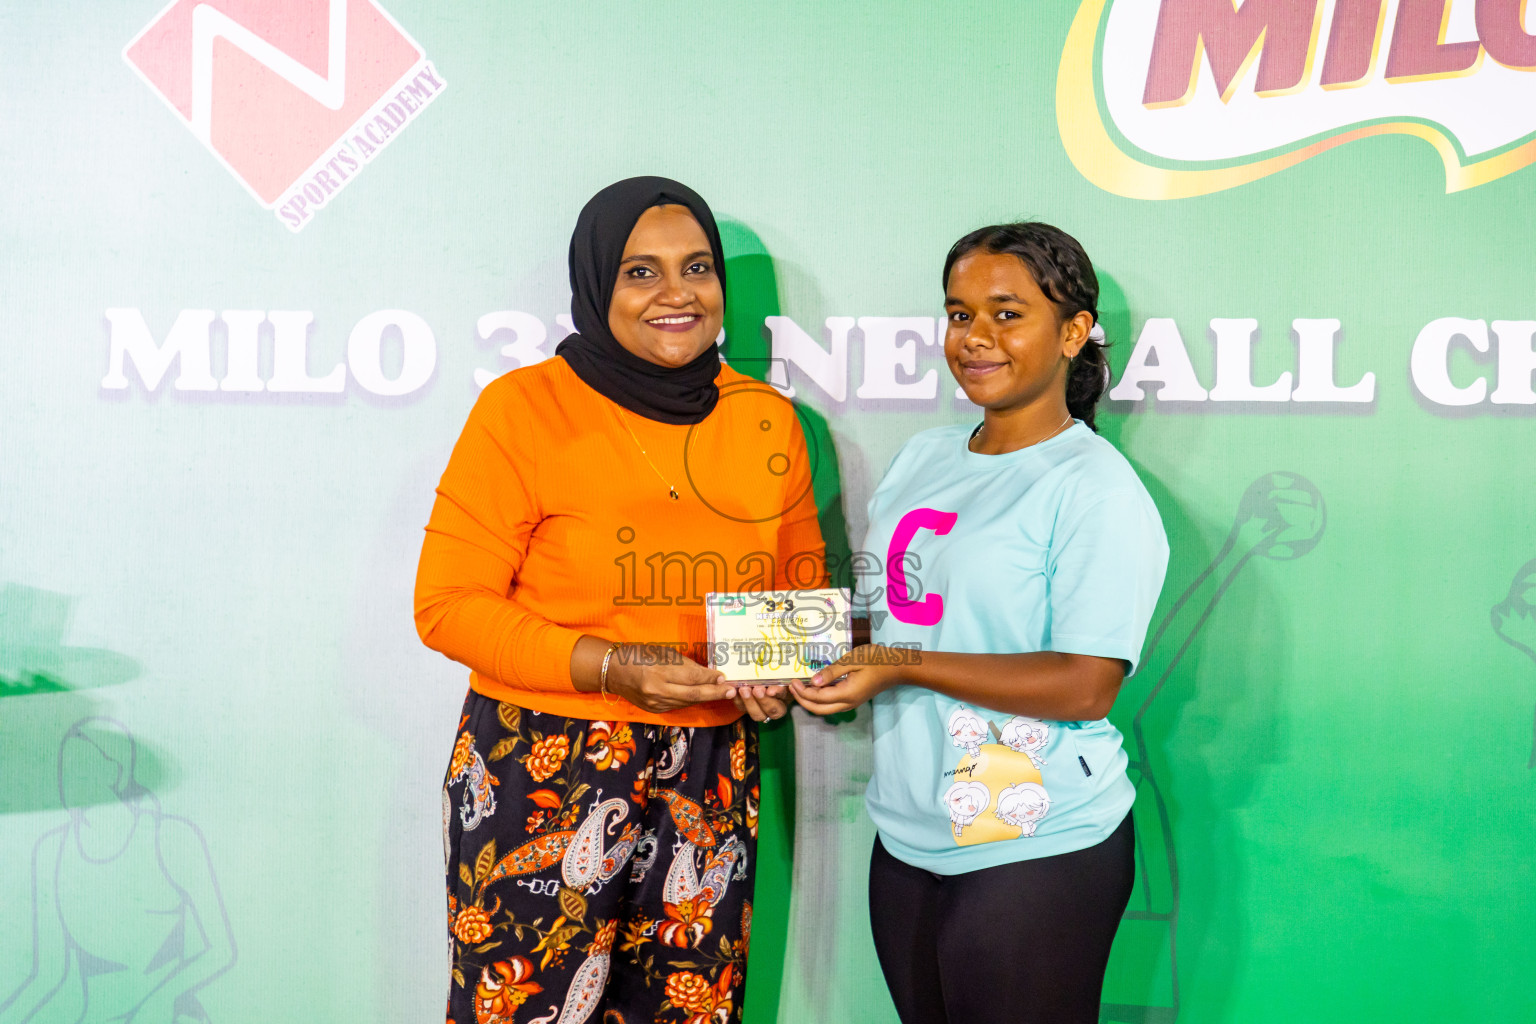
{"points": [[275, 88]]}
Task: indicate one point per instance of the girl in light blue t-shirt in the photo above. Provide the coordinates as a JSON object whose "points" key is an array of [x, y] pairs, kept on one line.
{"points": [[1021, 561]]}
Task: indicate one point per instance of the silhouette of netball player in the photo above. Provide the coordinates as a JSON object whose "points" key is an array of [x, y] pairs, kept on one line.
{"points": [[127, 920], [1514, 620], [1281, 516]]}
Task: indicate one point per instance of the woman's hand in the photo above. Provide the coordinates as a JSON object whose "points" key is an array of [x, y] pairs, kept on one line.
{"points": [[660, 679], [848, 682], [762, 701]]}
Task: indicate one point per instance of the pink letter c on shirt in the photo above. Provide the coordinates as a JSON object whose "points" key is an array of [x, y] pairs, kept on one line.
{"points": [[930, 609]]}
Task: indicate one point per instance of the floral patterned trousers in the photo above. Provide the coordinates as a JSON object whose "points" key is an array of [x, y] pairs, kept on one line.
{"points": [[598, 870]]}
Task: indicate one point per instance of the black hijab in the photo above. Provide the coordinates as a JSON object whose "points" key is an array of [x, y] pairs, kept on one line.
{"points": [[683, 394]]}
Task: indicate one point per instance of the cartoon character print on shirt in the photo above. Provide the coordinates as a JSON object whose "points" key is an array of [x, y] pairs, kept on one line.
{"points": [[1027, 736], [997, 791], [1023, 805], [967, 729], [966, 801]]}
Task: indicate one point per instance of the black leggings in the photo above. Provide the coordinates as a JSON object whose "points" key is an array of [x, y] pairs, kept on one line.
{"points": [[1018, 943]]}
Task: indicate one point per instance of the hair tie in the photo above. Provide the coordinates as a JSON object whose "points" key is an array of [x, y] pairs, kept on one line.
{"points": [[1096, 335]]}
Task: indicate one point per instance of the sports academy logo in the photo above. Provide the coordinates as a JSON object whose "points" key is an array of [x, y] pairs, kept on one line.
{"points": [[294, 97], [1165, 99]]}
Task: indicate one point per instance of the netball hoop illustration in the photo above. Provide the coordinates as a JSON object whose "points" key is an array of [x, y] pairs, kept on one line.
{"points": [[127, 919], [1514, 620], [1281, 517]]}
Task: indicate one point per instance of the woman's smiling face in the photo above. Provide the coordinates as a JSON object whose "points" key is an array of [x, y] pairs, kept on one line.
{"points": [[1005, 343], [667, 304]]}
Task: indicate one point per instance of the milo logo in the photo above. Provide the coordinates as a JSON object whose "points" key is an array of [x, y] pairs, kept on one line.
{"points": [[1170, 99]]}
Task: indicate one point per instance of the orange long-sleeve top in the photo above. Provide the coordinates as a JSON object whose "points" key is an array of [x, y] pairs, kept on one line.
{"points": [[553, 520]]}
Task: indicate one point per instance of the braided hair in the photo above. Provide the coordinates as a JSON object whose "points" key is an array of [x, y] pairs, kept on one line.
{"points": [[1063, 271]]}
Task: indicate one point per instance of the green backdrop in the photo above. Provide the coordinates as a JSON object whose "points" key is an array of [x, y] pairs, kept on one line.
{"points": [[205, 627]]}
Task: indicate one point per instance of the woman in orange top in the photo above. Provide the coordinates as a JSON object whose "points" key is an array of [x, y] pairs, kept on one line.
{"points": [[600, 809]]}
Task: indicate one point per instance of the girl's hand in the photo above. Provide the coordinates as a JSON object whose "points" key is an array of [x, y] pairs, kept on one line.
{"points": [[848, 682], [762, 701], [659, 679]]}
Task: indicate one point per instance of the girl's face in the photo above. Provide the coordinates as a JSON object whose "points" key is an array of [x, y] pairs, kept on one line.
{"points": [[1005, 343], [667, 304]]}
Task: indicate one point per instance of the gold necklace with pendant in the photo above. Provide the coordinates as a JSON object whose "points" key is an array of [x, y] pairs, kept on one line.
{"points": [[671, 488]]}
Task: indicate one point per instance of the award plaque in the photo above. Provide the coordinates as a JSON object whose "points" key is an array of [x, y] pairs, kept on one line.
{"points": [[777, 635]]}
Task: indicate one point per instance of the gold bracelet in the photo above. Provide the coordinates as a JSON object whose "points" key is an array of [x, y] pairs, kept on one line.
{"points": [[602, 679]]}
